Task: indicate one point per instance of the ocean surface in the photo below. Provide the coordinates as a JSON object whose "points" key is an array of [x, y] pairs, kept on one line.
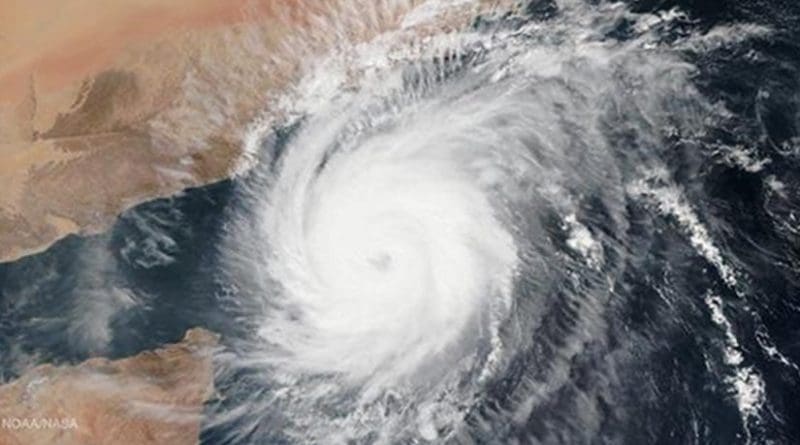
{"points": [[576, 224]]}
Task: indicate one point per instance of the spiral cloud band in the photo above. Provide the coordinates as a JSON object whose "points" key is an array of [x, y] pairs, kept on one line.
{"points": [[418, 226], [392, 250]]}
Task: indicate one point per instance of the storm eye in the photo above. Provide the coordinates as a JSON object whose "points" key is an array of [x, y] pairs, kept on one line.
{"points": [[382, 261]]}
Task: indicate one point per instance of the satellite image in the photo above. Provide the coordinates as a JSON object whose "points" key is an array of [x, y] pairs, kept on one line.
{"points": [[511, 222]]}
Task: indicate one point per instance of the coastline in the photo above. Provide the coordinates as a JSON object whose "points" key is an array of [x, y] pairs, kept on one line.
{"points": [[153, 100]]}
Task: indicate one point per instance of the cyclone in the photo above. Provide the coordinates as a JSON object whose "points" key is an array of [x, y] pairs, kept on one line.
{"points": [[468, 222], [392, 251], [399, 234]]}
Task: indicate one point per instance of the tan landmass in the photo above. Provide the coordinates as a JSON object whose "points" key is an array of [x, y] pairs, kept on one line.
{"points": [[106, 104], [155, 397]]}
